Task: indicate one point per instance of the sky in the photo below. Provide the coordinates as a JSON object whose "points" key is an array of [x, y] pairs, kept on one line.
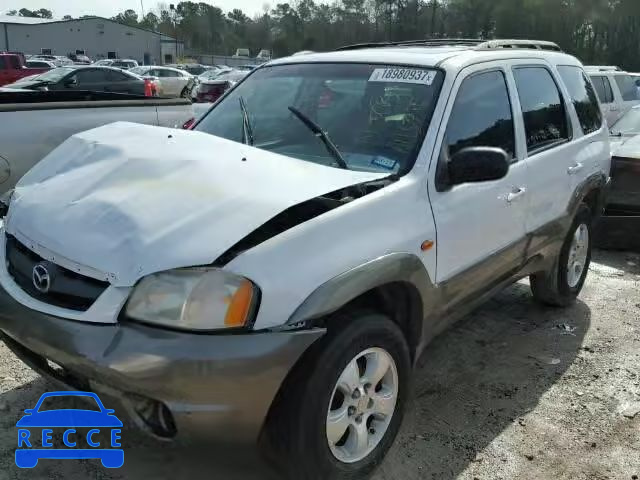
{"points": [[109, 8]]}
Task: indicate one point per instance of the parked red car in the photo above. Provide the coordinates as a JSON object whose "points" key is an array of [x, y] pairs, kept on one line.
{"points": [[12, 68]]}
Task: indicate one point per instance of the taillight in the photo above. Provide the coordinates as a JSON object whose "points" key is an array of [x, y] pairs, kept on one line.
{"points": [[211, 93], [188, 124], [149, 88]]}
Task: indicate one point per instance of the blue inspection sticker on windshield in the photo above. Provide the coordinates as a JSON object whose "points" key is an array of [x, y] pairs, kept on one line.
{"points": [[403, 75], [384, 162]]}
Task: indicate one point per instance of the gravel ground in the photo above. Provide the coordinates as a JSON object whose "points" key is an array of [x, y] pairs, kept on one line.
{"points": [[514, 391]]}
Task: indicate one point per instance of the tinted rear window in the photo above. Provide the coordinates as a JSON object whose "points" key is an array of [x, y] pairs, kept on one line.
{"points": [[545, 117], [583, 97], [603, 88], [627, 87]]}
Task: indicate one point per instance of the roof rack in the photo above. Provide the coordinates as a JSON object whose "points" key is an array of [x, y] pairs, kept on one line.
{"points": [[603, 68], [475, 43], [429, 42]]}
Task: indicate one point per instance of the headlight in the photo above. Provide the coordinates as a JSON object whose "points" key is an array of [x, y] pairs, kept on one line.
{"points": [[5, 201], [194, 299]]}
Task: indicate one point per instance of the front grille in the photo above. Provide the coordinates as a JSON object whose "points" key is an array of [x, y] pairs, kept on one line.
{"points": [[67, 289]]}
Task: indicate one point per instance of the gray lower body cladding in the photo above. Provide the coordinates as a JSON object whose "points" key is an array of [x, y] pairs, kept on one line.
{"points": [[216, 387]]}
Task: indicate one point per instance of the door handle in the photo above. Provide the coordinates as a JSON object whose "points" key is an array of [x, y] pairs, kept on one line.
{"points": [[573, 169], [516, 193]]}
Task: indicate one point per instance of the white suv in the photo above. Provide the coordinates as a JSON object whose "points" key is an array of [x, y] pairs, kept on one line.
{"points": [[271, 277], [617, 91]]}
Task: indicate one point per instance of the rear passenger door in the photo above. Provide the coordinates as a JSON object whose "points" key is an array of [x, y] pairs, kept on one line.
{"points": [[92, 79], [544, 134], [605, 95], [120, 82], [590, 138], [480, 226]]}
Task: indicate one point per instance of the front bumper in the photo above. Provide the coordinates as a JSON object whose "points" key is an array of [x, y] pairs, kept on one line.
{"points": [[217, 387]]}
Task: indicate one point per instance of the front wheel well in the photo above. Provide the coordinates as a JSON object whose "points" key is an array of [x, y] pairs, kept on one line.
{"points": [[400, 301]]}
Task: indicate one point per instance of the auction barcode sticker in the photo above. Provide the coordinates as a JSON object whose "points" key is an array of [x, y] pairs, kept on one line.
{"points": [[403, 75]]}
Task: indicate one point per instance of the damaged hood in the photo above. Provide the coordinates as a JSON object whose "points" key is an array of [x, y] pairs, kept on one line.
{"points": [[627, 146], [127, 200]]}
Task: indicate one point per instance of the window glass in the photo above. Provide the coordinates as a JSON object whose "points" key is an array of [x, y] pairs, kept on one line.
{"points": [[627, 87], [376, 115], [115, 76], [3, 63], [91, 76], [603, 88], [545, 117], [14, 62], [168, 73], [481, 115], [583, 97]]}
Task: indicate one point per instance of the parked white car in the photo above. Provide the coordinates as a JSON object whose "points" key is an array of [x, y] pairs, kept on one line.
{"points": [[104, 63], [172, 82], [616, 90], [271, 277], [124, 63]]}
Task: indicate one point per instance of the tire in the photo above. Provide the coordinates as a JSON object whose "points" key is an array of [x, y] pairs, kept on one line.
{"points": [[295, 440], [185, 93], [558, 287]]}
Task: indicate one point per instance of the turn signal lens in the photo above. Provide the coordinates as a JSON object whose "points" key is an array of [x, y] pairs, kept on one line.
{"points": [[240, 305]]}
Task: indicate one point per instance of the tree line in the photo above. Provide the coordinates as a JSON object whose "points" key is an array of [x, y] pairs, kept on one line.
{"points": [[597, 31]]}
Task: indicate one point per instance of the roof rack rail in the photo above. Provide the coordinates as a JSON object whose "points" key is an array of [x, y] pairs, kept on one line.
{"points": [[429, 42], [475, 43], [603, 68], [521, 44]]}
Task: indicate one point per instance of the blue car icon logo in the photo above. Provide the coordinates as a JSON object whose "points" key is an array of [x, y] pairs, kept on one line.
{"points": [[34, 445]]}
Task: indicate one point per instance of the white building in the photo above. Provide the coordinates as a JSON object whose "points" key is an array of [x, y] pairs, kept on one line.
{"points": [[95, 37]]}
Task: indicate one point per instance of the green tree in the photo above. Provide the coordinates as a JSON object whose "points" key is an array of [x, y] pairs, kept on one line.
{"points": [[128, 17]]}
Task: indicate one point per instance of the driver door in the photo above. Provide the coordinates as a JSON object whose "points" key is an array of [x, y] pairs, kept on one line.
{"points": [[480, 226]]}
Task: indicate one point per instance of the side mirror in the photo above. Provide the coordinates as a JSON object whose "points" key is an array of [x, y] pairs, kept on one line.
{"points": [[71, 82], [28, 411], [478, 164]]}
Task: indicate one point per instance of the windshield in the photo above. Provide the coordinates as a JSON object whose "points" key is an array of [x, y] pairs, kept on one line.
{"points": [[375, 115], [139, 70], [55, 74], [209, 74], [234, 76], [628, 124]]}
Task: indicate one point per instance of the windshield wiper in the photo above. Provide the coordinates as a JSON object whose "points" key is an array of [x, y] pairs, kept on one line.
{"points": [[247, 131], [322, 135]]}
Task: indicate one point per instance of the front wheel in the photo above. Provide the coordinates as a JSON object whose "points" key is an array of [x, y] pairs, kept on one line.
{"points": [[340, 410], [561, 286]]}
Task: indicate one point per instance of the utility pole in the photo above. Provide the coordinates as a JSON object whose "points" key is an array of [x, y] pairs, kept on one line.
{"points": [[172, 7]]}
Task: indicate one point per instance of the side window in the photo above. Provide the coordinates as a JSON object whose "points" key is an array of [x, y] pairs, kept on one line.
{"points": [[627, 88], [583, 97], [3, 63], [545, 117], [481, 115], [91, 76], [603, 88], [14, 62], [114, 76]]}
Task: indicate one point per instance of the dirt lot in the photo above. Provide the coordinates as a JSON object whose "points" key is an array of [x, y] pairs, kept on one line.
{"points": [[514, 391]]}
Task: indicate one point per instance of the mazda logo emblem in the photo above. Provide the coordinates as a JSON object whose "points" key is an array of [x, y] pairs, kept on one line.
{"points": [[41, 278]]}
